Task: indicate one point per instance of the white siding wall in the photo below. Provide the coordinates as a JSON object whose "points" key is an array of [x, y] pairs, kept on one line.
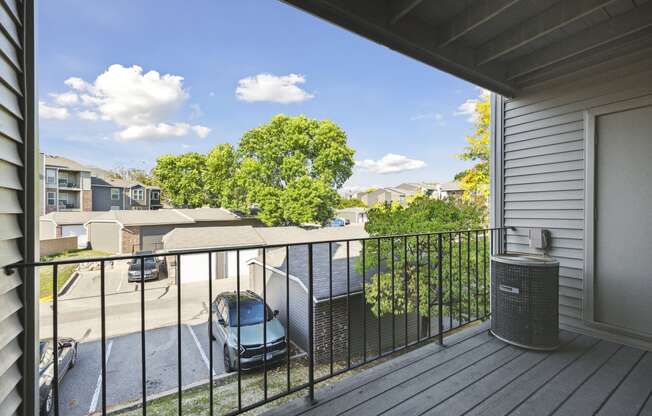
{"points": [[543, 166], [17, 217]]}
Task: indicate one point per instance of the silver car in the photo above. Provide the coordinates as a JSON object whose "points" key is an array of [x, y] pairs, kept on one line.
{"points": [[253, 315]]}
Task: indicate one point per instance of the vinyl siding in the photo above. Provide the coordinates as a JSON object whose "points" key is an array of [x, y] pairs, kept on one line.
{"points": [[543, 167], [13, 154]]}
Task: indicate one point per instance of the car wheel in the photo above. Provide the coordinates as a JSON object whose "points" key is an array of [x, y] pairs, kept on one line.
{"points": [[227, 362], [73, 359], [46, 410]]}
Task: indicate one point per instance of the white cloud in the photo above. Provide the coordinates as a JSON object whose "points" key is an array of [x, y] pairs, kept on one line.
{"points": [[160, 130], [51, 112], [390, 163], [65, 99], [76, 83], [88, 115], [467, 108], [140, 103], [195, 111], [272, 88]]}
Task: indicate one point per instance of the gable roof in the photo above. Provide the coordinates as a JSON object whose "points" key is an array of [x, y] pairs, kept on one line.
{"points": [[208, 214], [211, 237], [62, 162], [164, 216], [72, 218]]}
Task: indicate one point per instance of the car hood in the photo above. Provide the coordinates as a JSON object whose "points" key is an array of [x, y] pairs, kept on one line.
{"points": [[253, 334]]}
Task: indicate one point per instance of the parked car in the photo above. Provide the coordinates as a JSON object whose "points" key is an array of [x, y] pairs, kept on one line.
{"points": [[67, 352], [254, 313], [152, 269], [338, 222]]}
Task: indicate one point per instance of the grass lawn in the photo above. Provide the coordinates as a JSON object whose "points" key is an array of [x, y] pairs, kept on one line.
{"points": [[65, 271]]}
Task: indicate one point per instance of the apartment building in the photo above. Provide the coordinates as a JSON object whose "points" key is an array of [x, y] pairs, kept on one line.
{"points": [[65, 185]]}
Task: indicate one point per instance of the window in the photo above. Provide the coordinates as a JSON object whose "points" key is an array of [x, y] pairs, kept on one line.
{"points": [[51, 198], [51, 175], [138, 194], [155, 195], [115, 194]]}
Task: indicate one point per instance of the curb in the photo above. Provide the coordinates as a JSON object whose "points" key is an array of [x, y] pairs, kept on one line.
{"points": [[69, 284]]}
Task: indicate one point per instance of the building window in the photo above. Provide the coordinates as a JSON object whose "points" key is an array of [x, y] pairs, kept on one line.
{"points": [[51, 175], [52, 198], [138, 194], [155, 195], [115, 194]]}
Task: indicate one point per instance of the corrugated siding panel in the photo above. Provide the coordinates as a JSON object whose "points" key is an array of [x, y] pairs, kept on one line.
{"points": [[543, 169], [11, 230]]}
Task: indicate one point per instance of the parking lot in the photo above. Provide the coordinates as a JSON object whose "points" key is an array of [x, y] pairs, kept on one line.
{"points": [[79, 318]]}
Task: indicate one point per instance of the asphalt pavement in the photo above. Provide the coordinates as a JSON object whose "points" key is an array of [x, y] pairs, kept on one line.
{"points": [[79, 318]]}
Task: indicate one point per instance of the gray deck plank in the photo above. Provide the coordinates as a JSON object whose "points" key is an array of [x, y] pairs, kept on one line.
{"points": [[590, 396], [464, 400], [401, 392], [647, 407], [630, 396], [517, 391], [429, 364], [350, 391], [546, 400]]}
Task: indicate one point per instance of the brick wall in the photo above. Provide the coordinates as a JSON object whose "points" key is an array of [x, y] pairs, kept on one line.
{"points": [[57, 245], [57, 231], [322, 337], [130, 239], [87, 200]]}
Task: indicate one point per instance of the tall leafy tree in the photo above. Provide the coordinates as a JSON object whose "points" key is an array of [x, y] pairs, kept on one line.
{"points": [[291, 168], [182, 179], [475, 180], [409, 266], [221, 166]]}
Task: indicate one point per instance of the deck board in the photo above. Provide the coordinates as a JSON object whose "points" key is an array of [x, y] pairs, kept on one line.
{"points": [[476, 374]]}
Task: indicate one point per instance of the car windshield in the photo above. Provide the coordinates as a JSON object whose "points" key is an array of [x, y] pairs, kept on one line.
{"points": [[251, 313], [149, 264]]}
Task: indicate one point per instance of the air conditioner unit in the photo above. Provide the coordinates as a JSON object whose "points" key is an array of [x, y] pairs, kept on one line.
{"points": [[525, 300]]}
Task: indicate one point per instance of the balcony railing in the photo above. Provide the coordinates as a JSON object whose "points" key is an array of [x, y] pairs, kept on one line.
{"points": [[452, 268]]}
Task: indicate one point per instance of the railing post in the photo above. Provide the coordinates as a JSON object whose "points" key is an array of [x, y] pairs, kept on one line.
{"points": [[311, 340], [55, 337], [440, 291]]}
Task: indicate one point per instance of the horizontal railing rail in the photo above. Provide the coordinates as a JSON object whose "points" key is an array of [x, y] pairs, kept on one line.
{"points": [[415, 288]]}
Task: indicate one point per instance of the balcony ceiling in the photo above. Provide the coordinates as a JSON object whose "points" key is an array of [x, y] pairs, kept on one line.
{"points": [[503, 45]]}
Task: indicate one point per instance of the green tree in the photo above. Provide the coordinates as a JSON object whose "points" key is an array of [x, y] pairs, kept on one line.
{"points": [[351, 203], [181, 179], [475, 180], [414, 260], [291, 168], [221, 166]]}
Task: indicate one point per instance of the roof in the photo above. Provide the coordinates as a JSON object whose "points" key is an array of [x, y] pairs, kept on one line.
{"points": [[451, 186], [72, 218], [209, 214], [165, 216], [210, 237], [65, 163]]}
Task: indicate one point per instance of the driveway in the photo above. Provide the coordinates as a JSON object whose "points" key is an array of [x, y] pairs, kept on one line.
{"points": [[79, 318]]}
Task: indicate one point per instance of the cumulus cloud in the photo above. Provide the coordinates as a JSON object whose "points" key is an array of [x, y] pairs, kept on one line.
{"points": [[88, 115], [51, 112], [272, 88], [65, 99], [390, 163], [140, 103], [467, 108], [161, 130]]}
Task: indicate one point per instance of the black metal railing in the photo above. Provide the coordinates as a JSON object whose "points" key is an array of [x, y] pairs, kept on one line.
{"points": [[384, 278]]}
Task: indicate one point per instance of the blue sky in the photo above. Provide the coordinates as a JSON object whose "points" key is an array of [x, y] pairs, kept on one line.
{"points": [[241, 62]]}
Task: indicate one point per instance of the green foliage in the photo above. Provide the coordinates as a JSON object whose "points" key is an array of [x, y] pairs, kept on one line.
{"points": [[290, 168], [351, 203], [475, 180], [408, 267], [182, 179]]}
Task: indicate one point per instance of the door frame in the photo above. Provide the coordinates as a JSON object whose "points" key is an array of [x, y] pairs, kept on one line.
{"points": [[590, 142]]}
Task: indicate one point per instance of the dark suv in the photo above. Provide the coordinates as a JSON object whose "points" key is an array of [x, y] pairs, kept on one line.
{"points": [[253, 315], [152, 269]]}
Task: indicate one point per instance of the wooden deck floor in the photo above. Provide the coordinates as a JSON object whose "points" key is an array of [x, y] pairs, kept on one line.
{"points": [[476, 374]]}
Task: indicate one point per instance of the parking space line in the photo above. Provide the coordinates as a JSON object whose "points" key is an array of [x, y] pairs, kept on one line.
{"points": [[98, 386], [201, 350]]}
